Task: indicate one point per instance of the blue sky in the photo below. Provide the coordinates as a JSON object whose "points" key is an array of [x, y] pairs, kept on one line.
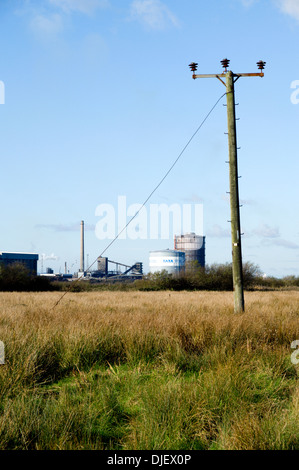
{"points": [[99, 102]]}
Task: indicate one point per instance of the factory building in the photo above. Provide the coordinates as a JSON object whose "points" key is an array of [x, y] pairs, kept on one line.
{"points": [[172, 261], [136, 270], [103, 266], [194, 248], [29, 260]]}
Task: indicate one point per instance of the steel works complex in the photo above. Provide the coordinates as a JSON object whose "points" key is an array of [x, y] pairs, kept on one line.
{"points": [[188, 254]]}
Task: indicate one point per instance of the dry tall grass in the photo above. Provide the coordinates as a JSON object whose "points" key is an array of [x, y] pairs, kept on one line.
{"points": [[148, 370]]}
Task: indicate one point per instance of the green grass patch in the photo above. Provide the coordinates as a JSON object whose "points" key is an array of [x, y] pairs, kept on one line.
{"points": [[125, 373]]}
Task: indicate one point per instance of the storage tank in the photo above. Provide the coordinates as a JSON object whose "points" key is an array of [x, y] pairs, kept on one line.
{"points": [[172, 261], [194, 248]]}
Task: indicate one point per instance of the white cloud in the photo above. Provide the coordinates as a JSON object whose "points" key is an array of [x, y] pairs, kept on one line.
{"points": [[81, 6], [281, 242], [48, 19], [267, 232], [51, 257], [93, 47], [49, 25], [286, 244], [248, 202], [194, 198], [248, 3], [75, 227], [218, 232], [244, 202], [153, 14], [290, 7]]}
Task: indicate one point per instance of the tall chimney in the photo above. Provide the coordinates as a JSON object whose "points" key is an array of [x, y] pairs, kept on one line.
{"points": [[82, 248]]}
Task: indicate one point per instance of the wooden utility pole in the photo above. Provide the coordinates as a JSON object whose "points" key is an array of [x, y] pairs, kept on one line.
{"points": [[234, 195], [230, 79]]}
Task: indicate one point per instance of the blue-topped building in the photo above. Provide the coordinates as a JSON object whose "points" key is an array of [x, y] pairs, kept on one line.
{"points": [[29, 260]]}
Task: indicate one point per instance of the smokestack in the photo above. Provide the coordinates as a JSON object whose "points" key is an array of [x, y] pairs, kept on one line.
{"points": [[82, 247]]}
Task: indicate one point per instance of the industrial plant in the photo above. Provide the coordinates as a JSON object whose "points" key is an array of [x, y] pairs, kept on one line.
{"points": [[104, 271], [188, 254], [28, 260]]}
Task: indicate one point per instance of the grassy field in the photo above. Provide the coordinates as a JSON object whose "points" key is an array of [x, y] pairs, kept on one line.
{"points": [[149, 371]]}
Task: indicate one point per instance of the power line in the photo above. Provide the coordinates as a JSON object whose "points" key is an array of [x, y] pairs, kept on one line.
{"points": [[153, 191]]}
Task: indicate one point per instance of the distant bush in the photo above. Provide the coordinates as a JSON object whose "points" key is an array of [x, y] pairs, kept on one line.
{"points": [[288, 282], [16, 277], [215, 277]]}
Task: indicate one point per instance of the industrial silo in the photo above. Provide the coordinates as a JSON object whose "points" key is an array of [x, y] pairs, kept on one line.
{"points": [[194, 248], [102, 266], [172, 261]]}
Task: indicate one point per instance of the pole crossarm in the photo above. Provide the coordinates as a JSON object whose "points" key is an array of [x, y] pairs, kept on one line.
{"points": [[218, 75], [249, 74]]}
